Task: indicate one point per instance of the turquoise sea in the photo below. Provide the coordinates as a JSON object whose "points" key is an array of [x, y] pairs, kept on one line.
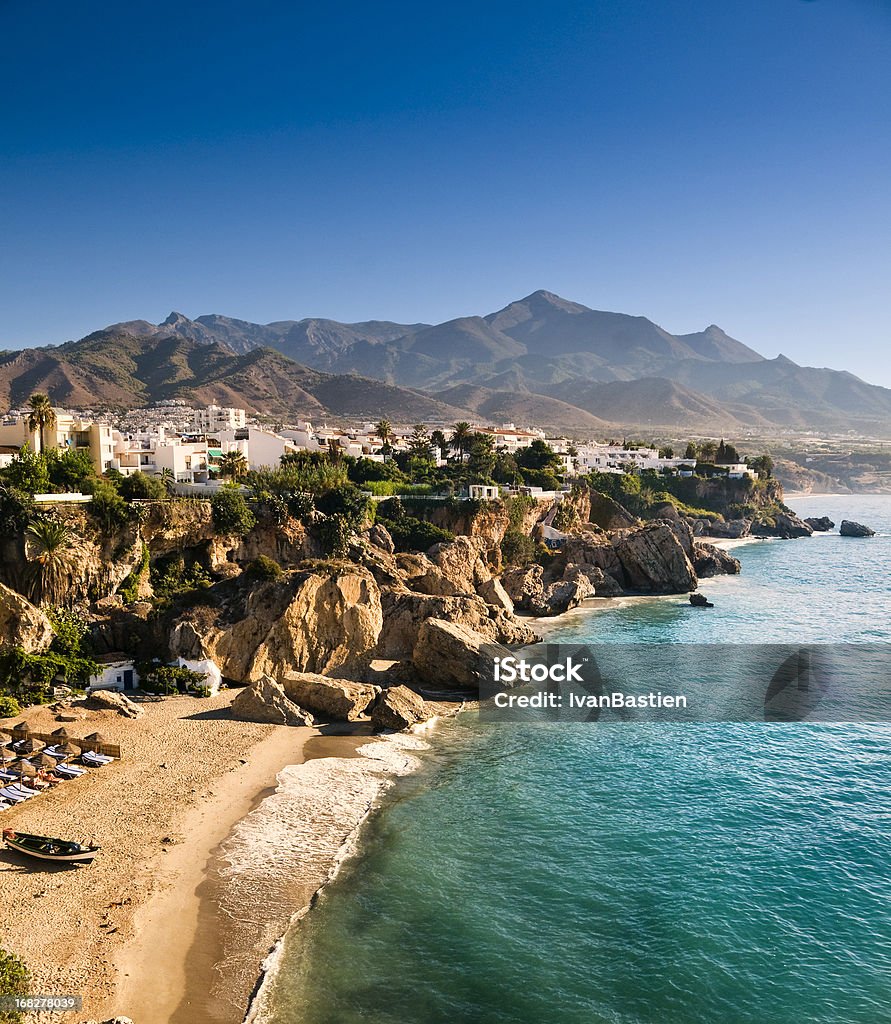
{"points": [[611, 873]]}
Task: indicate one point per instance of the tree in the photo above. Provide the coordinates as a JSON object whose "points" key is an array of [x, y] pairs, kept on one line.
{"points": [[439, 442], [41, 415], [667, 452], [763, 465], [27, 472], [108, 508], [691, 452], [419, 442], [140, 486], [233, 465], [69, 469], [708, 450], [482, 457], [48, 548], [384, 431], [461, 439], [231, 515], [726, 454], [539, 456]]}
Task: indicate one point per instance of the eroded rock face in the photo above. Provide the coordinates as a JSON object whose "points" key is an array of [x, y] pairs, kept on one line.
{"points": [[852, 529], [340, 699], [22, 624], [709, 560], [785, 525], [461, 562], [603, 584], [530, 591], [594, 549], [266, 701], [325, 619], [524, 586], [609, 514], [448, 654], [654, 561], [399, 708], [565, 594], [820, 524], [405, 612]]}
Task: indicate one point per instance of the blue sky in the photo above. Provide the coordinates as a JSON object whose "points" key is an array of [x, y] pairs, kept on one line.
{"points": [[695, 161]]}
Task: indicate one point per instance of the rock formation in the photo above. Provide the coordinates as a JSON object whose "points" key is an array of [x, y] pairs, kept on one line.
{"points": [[820, 524], [266, 701], [398, 708], [22, 624], [852, 529], [653, 560], [709, 560], [340, 699], [448, 654]]}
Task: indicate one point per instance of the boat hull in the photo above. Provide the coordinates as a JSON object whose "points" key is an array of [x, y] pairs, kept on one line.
{"points": [[76, 857]]}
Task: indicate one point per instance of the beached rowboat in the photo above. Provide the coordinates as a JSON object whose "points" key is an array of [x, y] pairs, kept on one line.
{"points": [[47, 848]]}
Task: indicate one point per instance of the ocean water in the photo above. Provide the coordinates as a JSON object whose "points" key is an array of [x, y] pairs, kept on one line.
{"points": [[633, 874]]}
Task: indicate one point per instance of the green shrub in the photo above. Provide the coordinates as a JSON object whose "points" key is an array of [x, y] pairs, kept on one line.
{"points": [[108, 508], [9, 707], [264, 568], [518, 548], [15, 980], [231, 515], [129, 589], [167, 679], [138, 485], [410, 534]]}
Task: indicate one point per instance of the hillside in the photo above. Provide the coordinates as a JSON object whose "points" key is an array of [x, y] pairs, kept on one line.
{"points": [[546, 345], [114, 369]]}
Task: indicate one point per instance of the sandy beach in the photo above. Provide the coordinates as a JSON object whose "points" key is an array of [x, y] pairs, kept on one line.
{"points": [[118, 932]]}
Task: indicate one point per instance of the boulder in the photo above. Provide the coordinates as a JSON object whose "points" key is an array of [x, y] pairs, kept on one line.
{"points": [[111, 700], [449, 654], [524, 586], [789, 525], [730, 529], [604, 584], [820, 524], [700, 601], [563, 595], [379, 537], [266, 701], [494, 594], [594, 549], [654, 560], [398, 708], [340, 699], [609, 514], [22, 624], [851, 529], [709, 560]]}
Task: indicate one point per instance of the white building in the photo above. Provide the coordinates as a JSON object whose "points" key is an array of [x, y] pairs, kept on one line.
{"points": [[215, 418], [118, 673]]}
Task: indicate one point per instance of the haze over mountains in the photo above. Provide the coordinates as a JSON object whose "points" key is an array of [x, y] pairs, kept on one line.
{"points": [[541, 359]]}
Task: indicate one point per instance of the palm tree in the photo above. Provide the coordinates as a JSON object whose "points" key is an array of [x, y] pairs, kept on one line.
{"points": [[384, 431], [233, 465], [48, 549], [461, 439], [41, 416]]}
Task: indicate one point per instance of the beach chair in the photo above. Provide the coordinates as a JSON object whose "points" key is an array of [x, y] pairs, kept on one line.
{"points": [[94, 760], [11, 796], [68, 771]]}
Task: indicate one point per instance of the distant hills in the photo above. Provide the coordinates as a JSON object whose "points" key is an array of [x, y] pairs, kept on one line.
{"points": [[541, 359]]}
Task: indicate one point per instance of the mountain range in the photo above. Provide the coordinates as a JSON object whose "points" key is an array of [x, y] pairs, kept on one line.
{"points": [[542, 359]]}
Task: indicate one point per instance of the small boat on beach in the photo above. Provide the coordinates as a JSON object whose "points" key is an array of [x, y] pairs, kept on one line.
{"points": [[46, 848]]}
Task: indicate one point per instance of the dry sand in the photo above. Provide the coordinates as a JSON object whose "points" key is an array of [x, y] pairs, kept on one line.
{"points": [[188, 774]]}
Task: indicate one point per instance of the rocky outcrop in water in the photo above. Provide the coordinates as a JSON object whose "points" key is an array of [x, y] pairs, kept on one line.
{"points": [[852, 529], [785, 525], [654, 560], [729, 529], [340, 699], [530, 592], [266, 701], [22, 624], [820, 524], [399, 708]]}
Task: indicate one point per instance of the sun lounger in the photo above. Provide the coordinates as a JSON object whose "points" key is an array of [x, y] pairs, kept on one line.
{"points": [[13, 797], [54, 751], [20, 787], [95, 760], [8, 776], [68, 771]]}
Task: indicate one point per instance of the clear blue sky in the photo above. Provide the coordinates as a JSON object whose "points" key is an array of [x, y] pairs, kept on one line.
{"points": [[695, 161]]}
